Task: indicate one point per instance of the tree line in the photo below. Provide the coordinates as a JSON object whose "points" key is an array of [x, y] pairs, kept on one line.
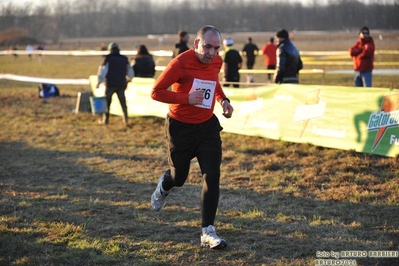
{"points": [[104, 18]]}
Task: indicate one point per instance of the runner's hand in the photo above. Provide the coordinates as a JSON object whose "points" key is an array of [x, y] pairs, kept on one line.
{"points": [[227, 109], [196, 97]]}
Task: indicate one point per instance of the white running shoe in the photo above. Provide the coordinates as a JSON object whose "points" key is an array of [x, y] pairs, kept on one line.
{"points": [[210, 239], [157, 199]]}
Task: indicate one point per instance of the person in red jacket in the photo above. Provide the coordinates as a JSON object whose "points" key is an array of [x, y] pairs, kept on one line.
{"points": [[362, 53], [192, 129], [269, 51]]}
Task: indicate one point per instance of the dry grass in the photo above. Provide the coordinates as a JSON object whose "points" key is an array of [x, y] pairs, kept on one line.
{"points": [[75, 193]]}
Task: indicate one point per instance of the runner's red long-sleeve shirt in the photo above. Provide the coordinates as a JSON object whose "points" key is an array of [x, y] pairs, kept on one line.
{"points": [[184, 73], [269, 51]]}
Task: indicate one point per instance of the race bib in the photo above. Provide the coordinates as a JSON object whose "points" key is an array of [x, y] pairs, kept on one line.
{"points": [[208, 87]]}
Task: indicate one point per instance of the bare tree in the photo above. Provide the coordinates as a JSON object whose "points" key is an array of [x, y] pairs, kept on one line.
{"points": [[103, 18]]}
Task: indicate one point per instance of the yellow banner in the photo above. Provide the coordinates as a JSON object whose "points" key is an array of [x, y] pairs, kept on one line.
{"points": [[349, 118]]}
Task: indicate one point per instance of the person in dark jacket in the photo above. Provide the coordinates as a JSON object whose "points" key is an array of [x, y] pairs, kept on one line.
{"points": [[143, 64], [116, 72], [362, 53], [250, 51], [181, 46], [232, 63], [288, 59]]}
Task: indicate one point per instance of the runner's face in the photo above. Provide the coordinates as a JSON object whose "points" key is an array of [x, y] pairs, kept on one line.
{"points": [[207, 48]]}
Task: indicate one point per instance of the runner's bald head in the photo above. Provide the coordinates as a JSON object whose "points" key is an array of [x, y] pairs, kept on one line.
{"points": [[208, 28]]}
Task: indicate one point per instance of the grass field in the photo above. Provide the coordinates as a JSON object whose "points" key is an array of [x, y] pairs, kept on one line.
{"points": [[76, 193]]}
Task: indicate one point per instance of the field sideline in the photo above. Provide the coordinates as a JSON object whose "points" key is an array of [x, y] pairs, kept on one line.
{"points": [[311, 43]]}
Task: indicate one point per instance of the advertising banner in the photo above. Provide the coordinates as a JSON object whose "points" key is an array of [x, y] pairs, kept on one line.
{"points": [[349, 118]]}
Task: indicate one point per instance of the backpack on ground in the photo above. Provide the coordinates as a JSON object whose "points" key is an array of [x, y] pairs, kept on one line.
{"points": [[48, 90]]}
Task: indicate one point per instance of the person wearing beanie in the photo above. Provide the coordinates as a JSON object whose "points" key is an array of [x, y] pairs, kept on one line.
{"points": [[283, 34], [232, 64], [362, 53], [288, 59], [113, 71]]}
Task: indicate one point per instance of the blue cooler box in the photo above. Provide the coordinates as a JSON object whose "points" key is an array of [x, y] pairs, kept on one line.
{"points": [[98, 105]]}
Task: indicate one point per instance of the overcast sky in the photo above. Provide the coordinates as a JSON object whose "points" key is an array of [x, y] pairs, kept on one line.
{"points": [[40, 2]]}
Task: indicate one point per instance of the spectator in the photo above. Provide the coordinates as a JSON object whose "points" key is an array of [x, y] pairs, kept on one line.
{"points": [[232, 64], [288, 59], [362, 53], [269, 52], [181, 46], [192, 129], [143, 64], [103, 47], [113, 71], [29, 49], [14, 48], [40, 47], [250, 51]]}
